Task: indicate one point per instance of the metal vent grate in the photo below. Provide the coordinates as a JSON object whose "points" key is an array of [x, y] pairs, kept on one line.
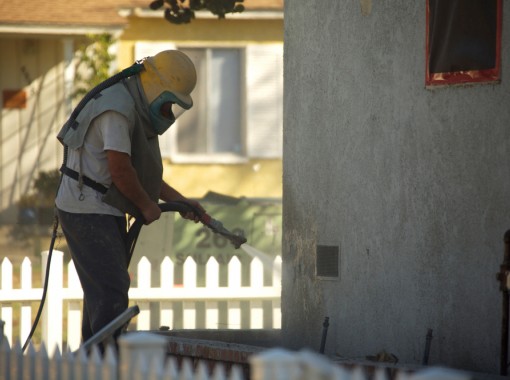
{"points": [[327, 261]]}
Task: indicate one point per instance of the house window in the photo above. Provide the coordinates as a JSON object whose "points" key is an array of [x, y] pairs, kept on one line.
{"points": [[463, 41], [238, 104], [213, 126]]}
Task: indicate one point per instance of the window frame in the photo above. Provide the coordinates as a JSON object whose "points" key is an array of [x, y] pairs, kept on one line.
{"points": [[492, 75], [221, 158]]}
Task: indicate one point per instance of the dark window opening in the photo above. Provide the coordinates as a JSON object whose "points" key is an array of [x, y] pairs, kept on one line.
{"points": [[327, 261], [463, 41]]}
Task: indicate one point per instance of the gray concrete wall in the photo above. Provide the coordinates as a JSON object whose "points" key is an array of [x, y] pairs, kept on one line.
{"points": [[412, 185]]}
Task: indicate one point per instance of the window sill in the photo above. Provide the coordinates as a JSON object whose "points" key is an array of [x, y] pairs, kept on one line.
{"points": [[226, 159]]}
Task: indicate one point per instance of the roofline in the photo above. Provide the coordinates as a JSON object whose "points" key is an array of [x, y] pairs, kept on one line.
{"points": [[77, 30], [245, 15], [57, 30]]}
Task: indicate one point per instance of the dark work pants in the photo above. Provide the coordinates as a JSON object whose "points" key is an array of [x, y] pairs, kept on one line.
{"points": [[98, 248]]}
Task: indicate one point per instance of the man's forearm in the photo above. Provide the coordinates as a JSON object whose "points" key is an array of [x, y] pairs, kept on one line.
{"points": [[128, 184], [124, 177], [169, 194]]}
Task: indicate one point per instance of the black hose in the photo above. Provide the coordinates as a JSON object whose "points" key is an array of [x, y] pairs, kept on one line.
{"points": [[134, 230], [45, 286]]}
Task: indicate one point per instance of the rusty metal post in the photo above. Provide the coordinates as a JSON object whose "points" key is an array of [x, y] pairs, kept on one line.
{"points": [[426, 353], [502, 276], [325, 326]]}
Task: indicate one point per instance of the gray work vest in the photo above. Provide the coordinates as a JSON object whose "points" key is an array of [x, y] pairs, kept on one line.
{"points": [[125, 97]]}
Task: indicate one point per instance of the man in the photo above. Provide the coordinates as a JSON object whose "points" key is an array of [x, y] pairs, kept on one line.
{"points": [[113, 167]]}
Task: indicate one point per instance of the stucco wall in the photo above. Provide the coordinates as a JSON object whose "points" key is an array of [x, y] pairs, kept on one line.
{"points": [[411, 184]]}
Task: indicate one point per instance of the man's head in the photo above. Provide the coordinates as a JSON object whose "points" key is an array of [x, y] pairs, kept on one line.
{"points": [[169, 77]]}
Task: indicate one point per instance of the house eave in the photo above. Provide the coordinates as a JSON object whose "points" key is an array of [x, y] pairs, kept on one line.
{"points": [[69, 30]]}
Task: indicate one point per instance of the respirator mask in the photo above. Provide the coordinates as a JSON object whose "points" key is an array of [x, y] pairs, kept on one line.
{"points": [[164, 110]]}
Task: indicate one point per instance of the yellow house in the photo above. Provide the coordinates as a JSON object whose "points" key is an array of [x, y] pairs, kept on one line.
{"points": [[231, 141], [236, 147]]}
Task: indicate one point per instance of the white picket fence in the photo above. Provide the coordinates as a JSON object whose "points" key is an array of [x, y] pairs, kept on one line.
{"points": [[142, 357], [197, 306]]}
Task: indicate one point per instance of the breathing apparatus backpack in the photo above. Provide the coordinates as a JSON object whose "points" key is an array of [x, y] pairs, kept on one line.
{"points": [[72, 123]]}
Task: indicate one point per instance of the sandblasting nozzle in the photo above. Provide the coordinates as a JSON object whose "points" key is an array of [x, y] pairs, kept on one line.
{"points": [[236, 239]]}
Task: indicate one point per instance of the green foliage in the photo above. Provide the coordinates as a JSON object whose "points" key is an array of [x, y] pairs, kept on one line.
{"points": [[43, 191], [182, 11], [93, 65], [35, 214], [46, 183]]}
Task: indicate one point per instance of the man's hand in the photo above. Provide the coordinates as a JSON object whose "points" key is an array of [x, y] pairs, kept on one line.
{"points": [[190, 215], [169, 194], [151, 213]]}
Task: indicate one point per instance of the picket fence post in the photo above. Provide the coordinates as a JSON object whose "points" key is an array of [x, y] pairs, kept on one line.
{"points": [[26, 308], [189, 314], [144, 283], [16, 361], [134, 346], [53, 309], [167, 283], [234, 282], [274, 364], [212, 314], [277, 304], [256, 281], [74, 312], [41, 366], [6, 285]]}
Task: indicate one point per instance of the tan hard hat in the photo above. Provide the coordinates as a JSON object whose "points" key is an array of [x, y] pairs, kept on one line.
{"points": [[169, 70]]}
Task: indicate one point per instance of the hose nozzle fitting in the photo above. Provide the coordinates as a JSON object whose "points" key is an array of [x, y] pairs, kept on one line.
{"points": [[216, 226]]}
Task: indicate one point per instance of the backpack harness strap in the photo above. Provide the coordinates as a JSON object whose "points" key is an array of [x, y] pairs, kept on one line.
{"points": [[86, 180]]}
